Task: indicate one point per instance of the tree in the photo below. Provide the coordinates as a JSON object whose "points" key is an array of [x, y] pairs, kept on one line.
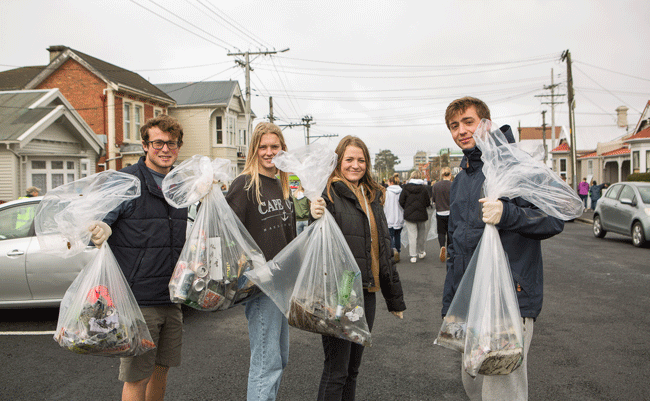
{"points": [[385, 162]]}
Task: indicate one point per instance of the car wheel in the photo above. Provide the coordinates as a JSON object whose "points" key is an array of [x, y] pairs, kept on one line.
{"points": [[598, 228], [638, 238]]}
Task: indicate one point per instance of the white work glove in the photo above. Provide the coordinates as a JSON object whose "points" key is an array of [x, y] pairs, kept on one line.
{"points": [[399, 315], [492, 211], [317, 208], [100, 232]]}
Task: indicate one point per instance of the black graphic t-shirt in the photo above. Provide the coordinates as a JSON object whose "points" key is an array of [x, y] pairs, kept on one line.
{"points": [[272, 223]]}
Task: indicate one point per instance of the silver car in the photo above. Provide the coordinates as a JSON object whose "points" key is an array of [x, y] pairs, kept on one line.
{"points": [[625, 209], [30, 278]]}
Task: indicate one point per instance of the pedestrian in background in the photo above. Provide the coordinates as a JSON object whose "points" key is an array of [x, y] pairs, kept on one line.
{"points": [[355, 200], [521, 227], [595, 192], [583, 191], [31, 192], [147, 236], [441, 199], [301, 205], [394, 215], [263, 204], [415, 200]]}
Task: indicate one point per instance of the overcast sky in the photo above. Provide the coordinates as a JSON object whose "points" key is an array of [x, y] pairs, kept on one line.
{"points": [[381, 70]]}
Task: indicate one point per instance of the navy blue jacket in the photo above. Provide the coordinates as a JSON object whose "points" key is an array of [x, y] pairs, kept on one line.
{"points": [[522, 227], [148, 236]]}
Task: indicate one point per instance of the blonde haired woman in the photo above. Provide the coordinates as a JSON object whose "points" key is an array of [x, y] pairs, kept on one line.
{"points": [[263, 204]]}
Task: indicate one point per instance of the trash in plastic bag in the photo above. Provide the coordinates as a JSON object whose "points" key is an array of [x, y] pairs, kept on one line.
{"points": [[483, 320], [209, 273], [99, 314], [66, 212], [315, 280]]}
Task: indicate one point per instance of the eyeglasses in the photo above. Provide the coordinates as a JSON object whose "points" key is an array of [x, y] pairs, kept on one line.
{"points": [[158, 145]]}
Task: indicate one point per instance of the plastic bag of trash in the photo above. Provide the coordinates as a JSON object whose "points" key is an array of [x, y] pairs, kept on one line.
{"points": [[315, 280], [99, 314], [66, 212], [483, 320], [209, 273]]}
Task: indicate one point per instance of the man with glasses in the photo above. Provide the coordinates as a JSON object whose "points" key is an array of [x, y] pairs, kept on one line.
{"points": [[147, 237]]}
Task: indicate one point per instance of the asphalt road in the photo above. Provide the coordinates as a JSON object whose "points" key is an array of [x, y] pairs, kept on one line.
{"points": [[590, 342]]}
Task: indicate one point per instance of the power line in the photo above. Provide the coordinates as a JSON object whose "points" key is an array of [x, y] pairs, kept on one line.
{"points": [[615, 72]]}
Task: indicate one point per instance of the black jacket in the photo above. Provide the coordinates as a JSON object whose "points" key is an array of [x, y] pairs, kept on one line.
{"points": [[354, 225], [521, 229], [148, 239], [415, 199]]}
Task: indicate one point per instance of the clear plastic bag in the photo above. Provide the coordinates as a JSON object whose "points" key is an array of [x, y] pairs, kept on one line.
{"points": [[209, 273], [99, 314], [483, 320], [67, 211], [315, 280]]}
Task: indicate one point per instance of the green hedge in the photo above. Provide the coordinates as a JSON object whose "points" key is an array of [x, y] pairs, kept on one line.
{"points": [[639, 177]]}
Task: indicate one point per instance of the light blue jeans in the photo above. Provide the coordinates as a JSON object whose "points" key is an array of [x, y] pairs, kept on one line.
{"points": [[301, 225], [268, 333]]}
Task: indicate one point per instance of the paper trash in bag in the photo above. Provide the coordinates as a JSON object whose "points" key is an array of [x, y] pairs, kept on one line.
{"points": [[483, 320], [315, 280], [209, 273], [99, 314], [66, 212]]}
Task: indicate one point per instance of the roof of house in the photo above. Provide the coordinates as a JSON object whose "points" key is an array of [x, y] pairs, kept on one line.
{"points": [[17, 115], [563, 147], [643, 134], [619, 151], [200, 93], [589, 155], [20, 77]]}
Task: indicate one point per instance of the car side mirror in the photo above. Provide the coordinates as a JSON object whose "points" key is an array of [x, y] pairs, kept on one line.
{"points": [[628, 201]]}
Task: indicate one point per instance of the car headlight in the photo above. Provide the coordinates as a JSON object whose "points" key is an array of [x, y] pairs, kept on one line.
{"points": [[647, 211]]}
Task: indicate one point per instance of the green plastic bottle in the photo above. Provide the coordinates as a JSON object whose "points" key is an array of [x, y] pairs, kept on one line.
{"points": [[345, 289]]}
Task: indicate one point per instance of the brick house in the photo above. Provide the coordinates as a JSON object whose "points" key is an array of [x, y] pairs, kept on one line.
{"points": [[113, 101]]}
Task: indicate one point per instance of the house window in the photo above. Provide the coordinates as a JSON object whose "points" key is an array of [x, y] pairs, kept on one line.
{"points": [[590, 167], [219, 131], [647, 161], [635, 161], [49, 174], [137, 117], [85, 168], [127, 121], [157, 112], [242, 137], [562, 171], [231, 130]]}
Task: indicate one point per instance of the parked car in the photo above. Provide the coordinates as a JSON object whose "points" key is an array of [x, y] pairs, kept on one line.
{"points": [[29, 277], [625, 209]]}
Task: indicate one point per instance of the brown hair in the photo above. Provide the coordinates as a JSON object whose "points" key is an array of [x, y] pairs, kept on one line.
{"points": [[459, 106], [166, 124], [445, 172], [371, 187], [252, 166]]}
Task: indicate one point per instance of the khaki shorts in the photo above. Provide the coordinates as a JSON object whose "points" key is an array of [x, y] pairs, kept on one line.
{"points": [[165, 323]]}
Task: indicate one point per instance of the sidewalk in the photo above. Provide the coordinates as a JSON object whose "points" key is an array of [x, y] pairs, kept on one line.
{"points": [[587, 217]]}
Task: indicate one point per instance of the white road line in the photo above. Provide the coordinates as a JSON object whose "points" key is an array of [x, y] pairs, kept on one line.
{"points": [[27, 333]]}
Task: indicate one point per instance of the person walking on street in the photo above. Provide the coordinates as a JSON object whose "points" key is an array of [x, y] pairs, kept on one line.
{"points": [[394, 215], [301, 205], [415, 200], [441, 191], [355, 200], [583, 191], [264, 206], [521, 227], [595, 192], [146, 236], [31, 192]]}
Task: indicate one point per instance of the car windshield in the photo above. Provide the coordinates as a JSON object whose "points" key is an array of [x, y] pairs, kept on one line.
{"points": [[645, 194]]}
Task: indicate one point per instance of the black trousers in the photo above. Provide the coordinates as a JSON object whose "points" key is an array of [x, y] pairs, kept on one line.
{"points": [[442, 224], [342, 360]]}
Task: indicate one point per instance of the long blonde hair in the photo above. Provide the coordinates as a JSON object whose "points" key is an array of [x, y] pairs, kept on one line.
{"points": [[371, 187], [252, 166]]}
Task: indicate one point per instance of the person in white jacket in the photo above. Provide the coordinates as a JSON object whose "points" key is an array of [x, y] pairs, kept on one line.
{"points": [[394, 214]]}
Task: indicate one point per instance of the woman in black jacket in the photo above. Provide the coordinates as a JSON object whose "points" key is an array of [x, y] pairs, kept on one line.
{"points": [[415, 200], [356, 202]]}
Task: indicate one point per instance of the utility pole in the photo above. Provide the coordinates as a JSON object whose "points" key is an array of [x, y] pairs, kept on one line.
{"points": [[271, 119], [544, 136], [246, 64], [307, 123], [566, 55], [552, 103]]}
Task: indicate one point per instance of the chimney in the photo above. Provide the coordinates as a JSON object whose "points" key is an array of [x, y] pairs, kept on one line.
{"points": [[55, 51], [621, 116]]}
